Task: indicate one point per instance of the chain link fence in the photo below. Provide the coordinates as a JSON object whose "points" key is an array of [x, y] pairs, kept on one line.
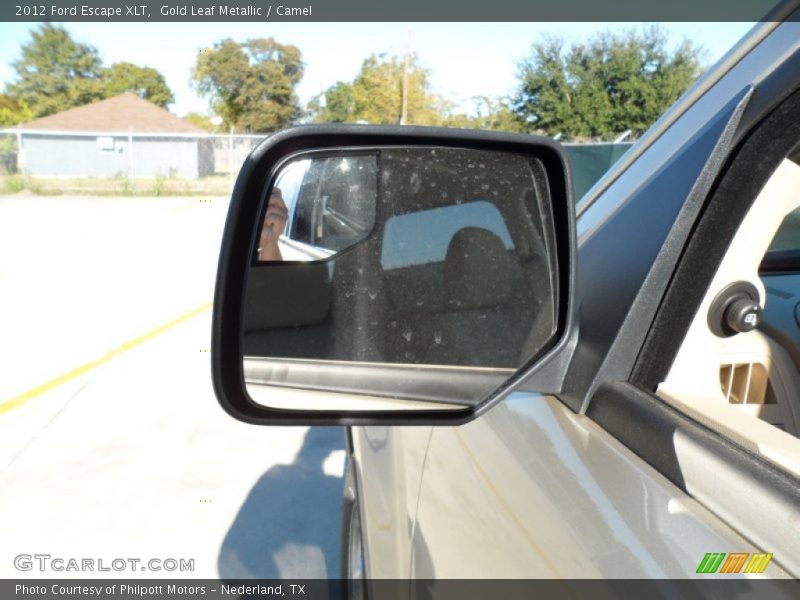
{"points": [[131, 163], [8, 154], [231, 150], [121, 163]]}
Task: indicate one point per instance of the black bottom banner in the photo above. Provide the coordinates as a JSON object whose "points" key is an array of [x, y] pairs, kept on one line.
{"points": [[380, 589]]}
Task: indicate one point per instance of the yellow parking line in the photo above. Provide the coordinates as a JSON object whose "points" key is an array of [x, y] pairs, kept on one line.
{"points": [[77, 372]]}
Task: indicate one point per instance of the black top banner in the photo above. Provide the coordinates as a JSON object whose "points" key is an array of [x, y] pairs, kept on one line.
{"points": [[397, 10]]}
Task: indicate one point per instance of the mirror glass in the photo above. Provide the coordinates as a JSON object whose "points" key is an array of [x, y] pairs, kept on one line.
{"points": [[398, 278]]}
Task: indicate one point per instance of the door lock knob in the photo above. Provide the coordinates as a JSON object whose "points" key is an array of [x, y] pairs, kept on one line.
{"points": [[743, 315], [736, 309]]}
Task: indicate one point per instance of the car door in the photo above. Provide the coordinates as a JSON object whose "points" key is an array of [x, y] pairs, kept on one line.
{"points": [[588, 482]]}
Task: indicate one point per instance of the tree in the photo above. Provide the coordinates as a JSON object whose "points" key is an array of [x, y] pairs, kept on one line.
{"points": [[489, 113], [202, 121], [13, 111], [55, 72], [145, 82], [598, 89], [251, 85], [376, 95], [339, 105]]}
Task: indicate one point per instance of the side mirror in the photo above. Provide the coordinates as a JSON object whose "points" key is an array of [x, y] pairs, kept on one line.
{"points": [[392, 275]]}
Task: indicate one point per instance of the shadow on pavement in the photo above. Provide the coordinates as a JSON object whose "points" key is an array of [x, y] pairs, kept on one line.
{"points": [[289, 525]]}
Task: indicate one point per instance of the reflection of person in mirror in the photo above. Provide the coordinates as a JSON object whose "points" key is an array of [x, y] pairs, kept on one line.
{"points": [[272, 229]]}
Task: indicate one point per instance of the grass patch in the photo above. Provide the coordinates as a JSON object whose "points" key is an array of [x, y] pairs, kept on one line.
{"points": [[215, 185], [11, 184], [158, 186]]}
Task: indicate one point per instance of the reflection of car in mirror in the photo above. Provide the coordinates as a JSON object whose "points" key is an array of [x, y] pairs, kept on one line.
{"points": [[420, 255], [330, 203]]}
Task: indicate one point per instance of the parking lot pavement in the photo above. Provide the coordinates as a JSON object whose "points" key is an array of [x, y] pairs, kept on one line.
{"points": [[133, 458], [80, 275]]}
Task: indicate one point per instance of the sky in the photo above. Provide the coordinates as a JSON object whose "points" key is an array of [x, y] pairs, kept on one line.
{"points": [[464, 59]]}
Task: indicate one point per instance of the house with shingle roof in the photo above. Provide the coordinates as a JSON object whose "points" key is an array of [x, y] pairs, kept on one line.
{"points": [[123, 136]]}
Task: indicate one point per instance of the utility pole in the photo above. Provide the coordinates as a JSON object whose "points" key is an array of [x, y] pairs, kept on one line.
{"points": [[323, 99], [406, 64]]}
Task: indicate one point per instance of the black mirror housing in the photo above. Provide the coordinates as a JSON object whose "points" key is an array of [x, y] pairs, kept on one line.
{"points": [[246, 323]]}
